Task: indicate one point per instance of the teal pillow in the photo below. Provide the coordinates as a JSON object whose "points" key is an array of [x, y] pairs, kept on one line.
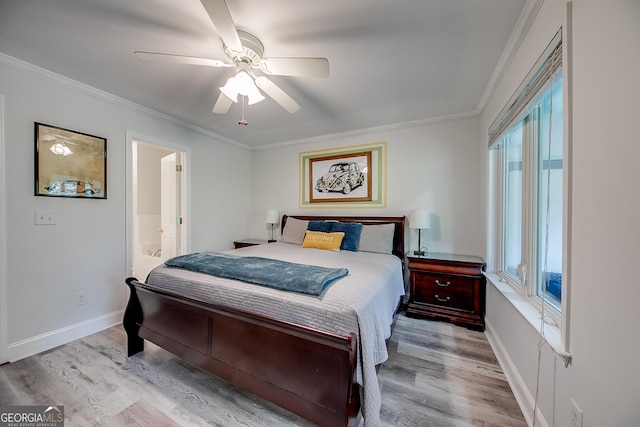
{"points": [[323, 226], [351, 231]]}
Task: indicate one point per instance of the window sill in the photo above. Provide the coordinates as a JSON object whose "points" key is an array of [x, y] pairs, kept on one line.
{"points": [[550, 332]]}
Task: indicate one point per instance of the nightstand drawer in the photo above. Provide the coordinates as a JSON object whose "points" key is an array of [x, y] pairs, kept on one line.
{"points": [[447, 291]]}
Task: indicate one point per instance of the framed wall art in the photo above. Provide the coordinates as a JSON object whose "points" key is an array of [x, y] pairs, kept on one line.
{"points": [[69, 163], [344, 177]]}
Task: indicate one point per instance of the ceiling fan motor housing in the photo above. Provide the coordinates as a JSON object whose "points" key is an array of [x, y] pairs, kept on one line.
{"points": [[252, 49]]}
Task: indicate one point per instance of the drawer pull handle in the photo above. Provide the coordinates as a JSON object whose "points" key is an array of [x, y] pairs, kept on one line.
{"points": [[442, 299], [444, 285]]}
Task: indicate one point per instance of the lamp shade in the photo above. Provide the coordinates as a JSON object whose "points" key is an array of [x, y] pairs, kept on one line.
{"points": [[242, 84], [419, 219], [230, 89], [273, 216], [248, 88]]}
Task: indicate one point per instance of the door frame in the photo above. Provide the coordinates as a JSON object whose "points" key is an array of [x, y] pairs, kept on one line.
{"points": [[3, 245], [132, 138]]}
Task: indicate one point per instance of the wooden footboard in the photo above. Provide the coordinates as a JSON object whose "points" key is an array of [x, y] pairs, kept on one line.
{"points": [[308, 372]]}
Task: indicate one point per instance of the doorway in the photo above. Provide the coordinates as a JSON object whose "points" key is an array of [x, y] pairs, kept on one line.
{"points": [[158, 204]]}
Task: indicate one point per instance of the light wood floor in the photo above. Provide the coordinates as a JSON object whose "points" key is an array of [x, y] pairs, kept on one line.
{"points": [[437, 375]]}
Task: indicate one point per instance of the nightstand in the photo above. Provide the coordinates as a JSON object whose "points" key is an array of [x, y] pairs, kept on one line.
{"points": [[447, 287], [248, 242]]}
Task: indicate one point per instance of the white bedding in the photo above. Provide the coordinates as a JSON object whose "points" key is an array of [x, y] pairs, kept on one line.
{"points": [[362, 302]]}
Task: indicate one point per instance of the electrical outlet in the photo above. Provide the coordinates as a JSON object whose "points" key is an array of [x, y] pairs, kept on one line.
{"points": [[576, 415], [81, 298]]}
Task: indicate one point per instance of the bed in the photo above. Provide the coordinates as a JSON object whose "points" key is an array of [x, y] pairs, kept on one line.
{"points": [[334, 342]]}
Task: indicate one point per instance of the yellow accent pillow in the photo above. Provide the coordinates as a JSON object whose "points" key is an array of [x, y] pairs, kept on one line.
{"points": [[320, 240]]}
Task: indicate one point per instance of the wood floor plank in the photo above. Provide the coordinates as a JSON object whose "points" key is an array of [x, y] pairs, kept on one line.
{"points": [[437, 374], [143, 414]]}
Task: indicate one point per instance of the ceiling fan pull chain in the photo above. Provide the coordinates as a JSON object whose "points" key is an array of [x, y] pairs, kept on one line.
{"points": [[243, 121]]}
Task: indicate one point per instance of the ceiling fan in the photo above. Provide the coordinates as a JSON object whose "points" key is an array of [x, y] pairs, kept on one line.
{"points": [[244, 52]]}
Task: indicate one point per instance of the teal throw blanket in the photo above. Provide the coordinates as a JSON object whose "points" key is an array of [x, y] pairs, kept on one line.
{"points": [[283, 275]]}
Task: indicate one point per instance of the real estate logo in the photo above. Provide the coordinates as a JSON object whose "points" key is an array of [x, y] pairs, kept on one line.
{"points": [[32, 416]]}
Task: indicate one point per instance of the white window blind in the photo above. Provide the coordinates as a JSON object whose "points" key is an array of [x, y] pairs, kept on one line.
{"points": [[541, 74]]}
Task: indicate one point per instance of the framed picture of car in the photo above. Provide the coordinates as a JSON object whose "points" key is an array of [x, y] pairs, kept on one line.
{"points": [[69, 163], [342, 177], [348, 176]]}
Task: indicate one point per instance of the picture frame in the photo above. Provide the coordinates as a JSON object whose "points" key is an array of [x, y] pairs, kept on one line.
{"points": [[352, 176], [340, 178], [69, 163]]}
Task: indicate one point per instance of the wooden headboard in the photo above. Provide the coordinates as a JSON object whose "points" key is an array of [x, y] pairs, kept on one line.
{"points": [[397, 221]]}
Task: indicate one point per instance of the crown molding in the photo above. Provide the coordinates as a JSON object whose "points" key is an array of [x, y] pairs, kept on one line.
{"points": [[358, 132], [39, 72], [518, 34]]}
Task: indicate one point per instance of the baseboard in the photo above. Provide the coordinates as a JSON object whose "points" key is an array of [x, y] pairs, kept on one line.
{"points": [[518, 387], [34, 345]]}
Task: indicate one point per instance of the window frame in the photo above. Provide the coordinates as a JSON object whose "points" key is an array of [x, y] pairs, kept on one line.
{"points": [[529, 116], [526, 284]]}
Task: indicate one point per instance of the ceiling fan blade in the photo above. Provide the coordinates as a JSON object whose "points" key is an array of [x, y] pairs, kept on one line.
{"points": [[277, 94], [222, 104], [302, 67], [221, 18], [180, 59]]}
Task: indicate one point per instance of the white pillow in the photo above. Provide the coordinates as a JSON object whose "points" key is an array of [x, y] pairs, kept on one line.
{"points": [[377, 238], [294, 230]]}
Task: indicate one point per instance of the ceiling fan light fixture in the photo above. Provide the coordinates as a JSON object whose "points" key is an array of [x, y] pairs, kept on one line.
{"points": [[254, 96], [230, 89], [242, 84], [247, 87]]}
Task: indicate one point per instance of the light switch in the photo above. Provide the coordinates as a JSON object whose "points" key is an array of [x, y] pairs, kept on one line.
{"points": [[45, 218]]}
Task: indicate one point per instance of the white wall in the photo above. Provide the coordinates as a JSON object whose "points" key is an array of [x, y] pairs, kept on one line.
{"points": [[606, 208], [431, 166], [604, 376], [85, 251]]}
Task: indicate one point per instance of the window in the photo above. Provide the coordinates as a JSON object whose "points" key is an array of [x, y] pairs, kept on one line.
{"points": [[512, 243], [527, 143], [549, 195]]}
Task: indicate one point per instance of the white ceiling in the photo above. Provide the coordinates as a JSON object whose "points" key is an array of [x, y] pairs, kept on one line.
{"points": [[390, 61]]}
